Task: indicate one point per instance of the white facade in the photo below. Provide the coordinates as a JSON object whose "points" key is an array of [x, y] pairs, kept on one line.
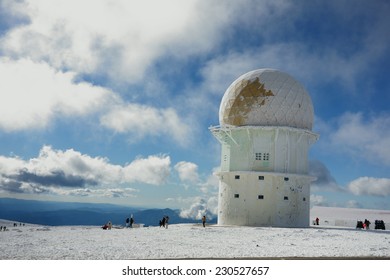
{"points": [[265, 132]]}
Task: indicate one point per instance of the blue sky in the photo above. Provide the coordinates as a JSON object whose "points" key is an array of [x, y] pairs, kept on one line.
{"points": [[110, 101]]}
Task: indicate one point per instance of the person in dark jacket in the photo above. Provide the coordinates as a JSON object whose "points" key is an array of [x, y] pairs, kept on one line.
{"points": [[131, 221], [367, 223]]}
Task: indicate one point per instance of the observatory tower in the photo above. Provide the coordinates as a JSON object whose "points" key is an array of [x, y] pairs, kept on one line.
{"points": [[265, 129]]}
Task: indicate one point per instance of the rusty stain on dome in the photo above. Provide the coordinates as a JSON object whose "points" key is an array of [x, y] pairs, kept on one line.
{"points": [[252, 94]]}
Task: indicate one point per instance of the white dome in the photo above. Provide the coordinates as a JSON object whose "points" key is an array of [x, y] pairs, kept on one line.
{"points": [[266, 97]]}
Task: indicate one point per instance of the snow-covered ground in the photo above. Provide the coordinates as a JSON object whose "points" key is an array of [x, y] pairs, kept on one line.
{"points": [[30, 242], [347, 217]]}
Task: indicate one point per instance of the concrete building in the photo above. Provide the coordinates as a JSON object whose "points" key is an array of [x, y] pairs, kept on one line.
{"points": [[265, 129]]}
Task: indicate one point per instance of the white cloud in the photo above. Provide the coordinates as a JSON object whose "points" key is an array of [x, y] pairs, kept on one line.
{"points": [[370, 186], [318, 200], [211, 184], [141, 121], [32, 94], [204, 204], [200, 206], [122, 39], [89, 192], [151, 170], [325, 180], [70, 172], [127, 36], [366, 138], [188, 172]]}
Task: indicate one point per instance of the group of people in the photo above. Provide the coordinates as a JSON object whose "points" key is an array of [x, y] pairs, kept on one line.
{"points": [[365, 225], [129, 223], [164, 222], [4, 228], [107, 226]]}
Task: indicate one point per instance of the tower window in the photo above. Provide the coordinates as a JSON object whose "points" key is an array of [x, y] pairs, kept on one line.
{"points": [[237, 177], [236, 195], [261, 177], [304, 199], [260, 196], [286, 198], [286, 179], [262, 156]]}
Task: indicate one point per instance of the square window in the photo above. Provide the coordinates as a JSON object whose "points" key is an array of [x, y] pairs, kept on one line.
{"points": [[261, 177], [237, 177], [236, 195], [258, 156], [260, 196], [286, 198]]}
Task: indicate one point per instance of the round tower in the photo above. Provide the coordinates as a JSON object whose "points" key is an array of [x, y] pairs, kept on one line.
{"points": [[265, 129]]}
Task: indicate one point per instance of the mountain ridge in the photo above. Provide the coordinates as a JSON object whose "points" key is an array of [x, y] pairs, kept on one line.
{"points": [[75, 213]]}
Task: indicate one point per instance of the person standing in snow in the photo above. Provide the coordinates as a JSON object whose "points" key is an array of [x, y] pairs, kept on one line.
{"points": [[166, 221], [163, 222], [131, 221], [204, 221], [367, 223]]}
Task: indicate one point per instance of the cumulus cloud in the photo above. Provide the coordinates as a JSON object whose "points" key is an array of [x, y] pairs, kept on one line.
{"points": [[56, 45], [140, 121], [370, 186], [188, 171], [151, 170], [204, 204], [70, 172], [364, 137], [325, 180], [120, 39], [200, 206], [33, 93]]}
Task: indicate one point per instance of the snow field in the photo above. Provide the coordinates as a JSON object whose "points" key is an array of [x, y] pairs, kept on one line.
{"points": [[189, 241]]}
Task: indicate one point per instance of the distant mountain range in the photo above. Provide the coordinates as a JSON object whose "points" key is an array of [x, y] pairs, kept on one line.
{"points": [[72, 213]]}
